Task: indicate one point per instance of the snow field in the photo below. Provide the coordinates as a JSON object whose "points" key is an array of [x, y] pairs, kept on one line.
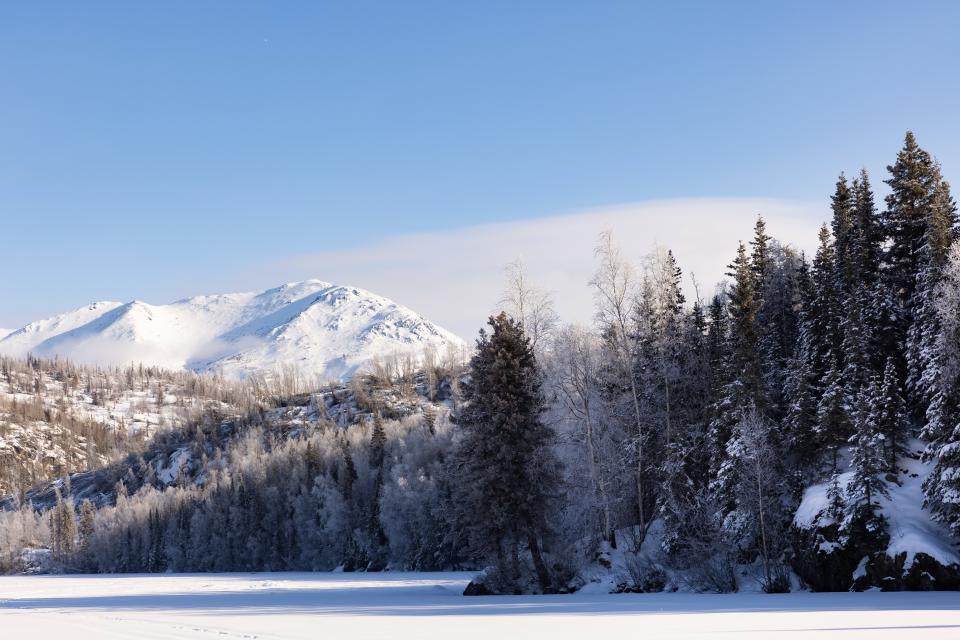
{"points": [[430, 606]]}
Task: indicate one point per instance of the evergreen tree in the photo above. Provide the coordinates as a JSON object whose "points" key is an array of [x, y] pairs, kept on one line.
{"points": [[891, 419], [834, 425], [717, 343], [378, 441], [868, 460], [752, 474], [507, 477], [822, 311], [836, 505], [857, 368], [85, 526], [685, 467], [845, 241], [914, 180], [63, 526], [801, 393], [868, 233], [745, 387], [920, 220], [777, 288], [942, 430], [923, 351], [348, 471], [658, 366], [880, 326], [760, 257], [742, 391], [744, 305]]}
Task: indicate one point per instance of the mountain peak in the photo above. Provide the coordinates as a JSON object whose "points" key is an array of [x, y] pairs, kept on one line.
{"points": [[324, 330]]}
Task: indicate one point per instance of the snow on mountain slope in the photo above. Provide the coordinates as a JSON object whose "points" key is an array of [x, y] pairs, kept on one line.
{"points": [[321, 329], [26, 339], [5, 332]]}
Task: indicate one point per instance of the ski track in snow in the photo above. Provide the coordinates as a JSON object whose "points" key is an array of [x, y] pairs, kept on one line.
{"points": [[430, 605]]}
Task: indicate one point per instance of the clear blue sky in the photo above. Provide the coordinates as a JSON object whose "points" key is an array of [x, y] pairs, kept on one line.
{"points": [[146, 146]]}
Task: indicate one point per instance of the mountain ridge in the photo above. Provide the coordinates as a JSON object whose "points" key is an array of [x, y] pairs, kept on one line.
{"points": [[323, 330]]}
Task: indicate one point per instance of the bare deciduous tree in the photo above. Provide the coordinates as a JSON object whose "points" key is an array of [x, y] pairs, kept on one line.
{"points": [[577, 357], [614, 285], [529, 304]]}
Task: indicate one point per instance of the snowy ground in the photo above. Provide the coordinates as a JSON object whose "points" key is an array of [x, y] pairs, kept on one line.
{"points": [[429, 605]]}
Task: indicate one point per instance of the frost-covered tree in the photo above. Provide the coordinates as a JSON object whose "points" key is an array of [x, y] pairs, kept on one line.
{"points": [[753, 475], [823, 308], [743, 389], [529, 304], [867, 462], [867, 235], [63, 526], [923, 350], [844, 238], [615, 294], [834, 425], [801, 392], [942, 430], [890, 416], [914, 181], [576, 369]]}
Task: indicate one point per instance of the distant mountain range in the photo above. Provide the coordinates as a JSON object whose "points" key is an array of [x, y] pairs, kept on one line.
{"points": [[321, 329]]}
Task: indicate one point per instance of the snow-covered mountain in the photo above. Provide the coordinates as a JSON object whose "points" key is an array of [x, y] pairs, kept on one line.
{"points": [[321, 329]]}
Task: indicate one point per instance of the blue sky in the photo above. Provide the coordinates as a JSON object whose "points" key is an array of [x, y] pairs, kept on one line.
{"points": [[156, 150]]}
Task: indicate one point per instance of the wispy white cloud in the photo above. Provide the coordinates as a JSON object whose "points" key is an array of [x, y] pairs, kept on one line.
{"points": [[455, 277]]}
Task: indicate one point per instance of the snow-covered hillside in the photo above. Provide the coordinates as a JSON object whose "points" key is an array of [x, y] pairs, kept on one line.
{"points": [[320, 329], [910, 527]]}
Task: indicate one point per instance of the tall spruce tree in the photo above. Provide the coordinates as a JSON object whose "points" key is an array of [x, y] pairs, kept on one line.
{"points": [[867, 461], [868, 233], [891, 419], [801, 392], [942, 429], [844, 238], [822, 311], [834, 424], [920, 220], [507, 475], [913, 182], [923, 335], [775, 283], [760, 258], [746, 387], [378, 443], [742, 378], [743, 390], [857, 369]]}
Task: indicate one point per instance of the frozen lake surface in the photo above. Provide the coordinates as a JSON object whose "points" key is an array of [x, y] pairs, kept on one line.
{"points": [[430, 605]]}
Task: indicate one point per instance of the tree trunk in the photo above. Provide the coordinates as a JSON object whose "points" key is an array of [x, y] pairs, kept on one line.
{"points": [[640, 509], [666, 390], [543, 576], [763, 529], [597, 482]]}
